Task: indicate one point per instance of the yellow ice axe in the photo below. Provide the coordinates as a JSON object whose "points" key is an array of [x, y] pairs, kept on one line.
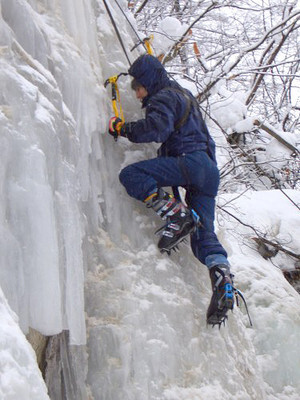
{"points": [[115, 96]]}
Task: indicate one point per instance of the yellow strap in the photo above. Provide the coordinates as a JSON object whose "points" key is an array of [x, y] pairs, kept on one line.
{"points": [[117, 101], [115, 108], [120, 105], [150, 197], [147, 42]]}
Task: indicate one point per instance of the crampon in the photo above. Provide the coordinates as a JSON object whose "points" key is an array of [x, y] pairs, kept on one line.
{"points": [[176, 230], [224, 296]]}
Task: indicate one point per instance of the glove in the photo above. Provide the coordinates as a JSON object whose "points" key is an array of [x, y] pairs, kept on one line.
{"points": [[114, 126]]}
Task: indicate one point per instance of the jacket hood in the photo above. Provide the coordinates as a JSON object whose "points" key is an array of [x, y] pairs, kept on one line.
{"points": [[150, 73]]}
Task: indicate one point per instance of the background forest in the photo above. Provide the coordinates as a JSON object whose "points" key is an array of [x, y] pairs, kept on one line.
{"points": [[243, 59]]}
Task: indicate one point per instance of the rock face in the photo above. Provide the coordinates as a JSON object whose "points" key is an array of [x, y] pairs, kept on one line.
{"points": [[293, 276], [39, 344], [65, 370]]}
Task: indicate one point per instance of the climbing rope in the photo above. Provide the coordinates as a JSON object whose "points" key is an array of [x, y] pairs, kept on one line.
{"points": [[116, 30], [115, 94], [146, 42]]}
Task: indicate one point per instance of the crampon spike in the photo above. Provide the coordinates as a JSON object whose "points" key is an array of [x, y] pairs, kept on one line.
{"points": [[165, 251], [237, 293], [219, 324], [175, 248]]}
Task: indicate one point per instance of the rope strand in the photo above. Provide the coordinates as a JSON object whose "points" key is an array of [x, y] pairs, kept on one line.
{"points": [[117, 31], [132, 27]]}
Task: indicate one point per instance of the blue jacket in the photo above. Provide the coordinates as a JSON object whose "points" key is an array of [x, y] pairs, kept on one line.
{"points": [[165, 107]]}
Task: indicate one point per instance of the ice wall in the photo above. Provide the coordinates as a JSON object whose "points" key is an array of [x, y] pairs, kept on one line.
{"points": [[77, 254], [50, 110], [20, 377]]}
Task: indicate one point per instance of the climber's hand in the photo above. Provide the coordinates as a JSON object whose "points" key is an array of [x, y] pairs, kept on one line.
{"points": [[114, 126]]}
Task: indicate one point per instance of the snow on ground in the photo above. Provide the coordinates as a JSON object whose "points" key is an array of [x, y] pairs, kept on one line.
{"points": [[274, 304], [20, 377], [158, 320]]}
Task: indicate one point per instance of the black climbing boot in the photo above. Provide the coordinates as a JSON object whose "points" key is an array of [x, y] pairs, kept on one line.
{"points": [[222, 298], [179, 220]]}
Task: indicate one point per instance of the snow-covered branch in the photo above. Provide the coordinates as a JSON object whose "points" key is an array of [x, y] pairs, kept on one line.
{"points": [[173, 51], [269, 129], [262, 241]]}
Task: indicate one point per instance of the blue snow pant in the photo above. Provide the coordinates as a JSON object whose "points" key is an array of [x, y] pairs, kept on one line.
{"points": [[199, 175]]}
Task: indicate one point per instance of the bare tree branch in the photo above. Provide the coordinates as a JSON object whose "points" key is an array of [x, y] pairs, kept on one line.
{"points": [[260, 239], [141, 7], [271, 59], [173, 50]]}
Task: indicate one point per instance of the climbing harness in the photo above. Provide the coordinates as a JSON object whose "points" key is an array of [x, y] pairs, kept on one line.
{"points": [[115, 97], [179, 124]]}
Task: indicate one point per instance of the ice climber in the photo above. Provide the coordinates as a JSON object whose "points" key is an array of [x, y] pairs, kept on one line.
{"points": [[187, 159]]}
